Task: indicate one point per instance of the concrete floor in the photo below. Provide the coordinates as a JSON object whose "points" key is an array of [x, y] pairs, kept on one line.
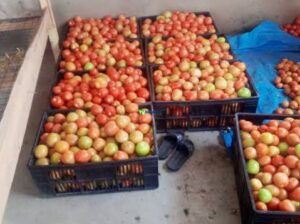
{"points": [[203, 191]]}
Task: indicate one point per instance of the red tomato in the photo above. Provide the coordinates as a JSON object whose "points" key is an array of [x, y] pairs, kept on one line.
{"points": [[144, 93], [57, 101], [101, 119], [82, 156], [110, 111]]}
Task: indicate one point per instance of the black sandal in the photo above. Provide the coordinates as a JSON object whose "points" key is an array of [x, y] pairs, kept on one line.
{"points": [[169, 143], [183, 152]]}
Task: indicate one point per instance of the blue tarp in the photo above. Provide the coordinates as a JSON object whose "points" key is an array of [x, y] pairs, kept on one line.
{"points": [[262, 49]]}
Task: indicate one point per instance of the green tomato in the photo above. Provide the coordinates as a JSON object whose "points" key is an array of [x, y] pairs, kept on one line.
{"points": [[85, 142], [244, 92], [167, 14], [248, 142], [267, 138], [221, 40], [41, 151], [297, 149], [264, 195], [88, 66], [110, 149], [252, 166], [283, 147], [209, 87], [142, 148], [121, 64], [193, 64], [55, 158]]}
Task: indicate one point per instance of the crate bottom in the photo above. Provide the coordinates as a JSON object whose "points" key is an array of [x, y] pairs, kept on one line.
{"points": [[66, 188], [193, 123]]}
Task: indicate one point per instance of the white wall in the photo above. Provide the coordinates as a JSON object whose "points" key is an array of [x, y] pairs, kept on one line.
{"points": [[230, 15], [18, 8]]}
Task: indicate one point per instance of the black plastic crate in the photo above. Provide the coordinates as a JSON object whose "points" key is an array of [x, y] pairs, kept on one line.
{"points": [[113, 176], [249, 214], [146, 41], [60, 76], [200, 115], [153, 18]]}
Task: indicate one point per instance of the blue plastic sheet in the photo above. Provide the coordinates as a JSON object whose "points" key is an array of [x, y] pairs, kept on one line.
{"points": [[262, 49]]}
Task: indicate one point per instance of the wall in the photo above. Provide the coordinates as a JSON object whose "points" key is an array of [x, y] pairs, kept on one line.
{"points": [[18, 8], [230, 15]]}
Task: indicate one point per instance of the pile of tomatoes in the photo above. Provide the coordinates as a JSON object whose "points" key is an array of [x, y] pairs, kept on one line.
{"points": [[289, 79], [194, 48], [102, 80], [100, 43], [272, 152], [106, 27], [95, 136], [87, 54], [109, 88], [171, 23], [189, 81], [293, 28]]}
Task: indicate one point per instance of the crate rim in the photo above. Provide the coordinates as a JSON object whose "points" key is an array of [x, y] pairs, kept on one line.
{"points": [[31, 165], [240, 148]]}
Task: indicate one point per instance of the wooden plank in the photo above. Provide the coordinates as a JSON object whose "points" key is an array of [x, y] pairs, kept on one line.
{"points": [[15, 116], [53, 34]]}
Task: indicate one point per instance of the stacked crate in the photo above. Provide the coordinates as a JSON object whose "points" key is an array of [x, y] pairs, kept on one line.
{"points": [[195, 115], [138, 173]]}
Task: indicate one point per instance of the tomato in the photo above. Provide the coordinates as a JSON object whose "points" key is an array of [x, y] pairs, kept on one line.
{"points": [[61, 146], [280, 180], [143, 92], [101, 119], [82, 156], [287, 206], [291, 161], [293, 183], [131, 108], [56, 90], [40, 151], [111, 128], [145, 118], [273, 204], [48, 126], [82, 122], [57, 101], [110, 111], [269, 169], [93, 133], [120, 155], [68, 157], [109, 99], [295, 194], [261, 206], [96, 109], [277, 160], [59, 118]]}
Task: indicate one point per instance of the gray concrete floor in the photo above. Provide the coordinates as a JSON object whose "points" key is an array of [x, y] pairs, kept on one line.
{"points": [[203, 191]]}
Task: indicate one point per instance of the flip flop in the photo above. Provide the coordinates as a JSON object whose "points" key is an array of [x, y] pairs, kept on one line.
{"points": [[183, 152], [169, 143]]}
